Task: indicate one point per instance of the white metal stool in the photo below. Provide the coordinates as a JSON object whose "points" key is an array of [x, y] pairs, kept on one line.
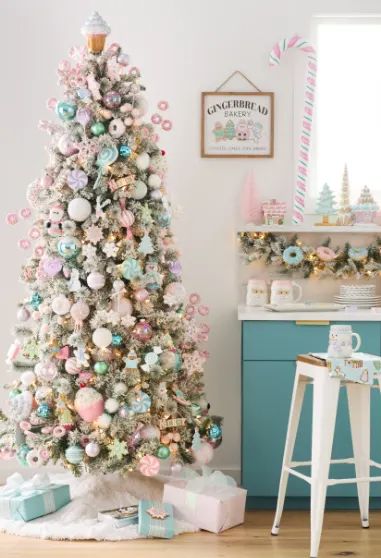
{"points": [[325, 402]]}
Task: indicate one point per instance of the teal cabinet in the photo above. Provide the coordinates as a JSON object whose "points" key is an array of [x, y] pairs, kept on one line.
{"points": [[268, 368]]}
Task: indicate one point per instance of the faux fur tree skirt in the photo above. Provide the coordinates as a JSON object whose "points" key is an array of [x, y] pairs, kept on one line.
{"points": [[78, 519]]}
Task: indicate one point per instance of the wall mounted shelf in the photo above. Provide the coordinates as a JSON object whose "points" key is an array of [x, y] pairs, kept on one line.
{"points": [[298, 229]]}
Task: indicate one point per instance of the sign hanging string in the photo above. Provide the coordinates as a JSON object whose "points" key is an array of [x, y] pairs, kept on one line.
{"points": [[238, 72]]}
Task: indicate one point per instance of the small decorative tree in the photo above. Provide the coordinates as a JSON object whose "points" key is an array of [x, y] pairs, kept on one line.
{"points": [[345, 215], [326, 204], [251, 209]]}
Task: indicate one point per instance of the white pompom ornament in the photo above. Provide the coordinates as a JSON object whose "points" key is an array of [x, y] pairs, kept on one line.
{"points": [[139, 191], [79, 311], [120, 388], [102, 337], [28, 378], [150, 432], [142, 161], [103, 421], [154, 181], [96, 280], [61, 305], [111, 405], [92, 449], [79, 209]]}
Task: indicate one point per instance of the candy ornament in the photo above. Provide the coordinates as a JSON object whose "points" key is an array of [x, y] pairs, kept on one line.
{"points": [[149, 466], [77, 179], [107, 156], [79, 209], [89, 404]]}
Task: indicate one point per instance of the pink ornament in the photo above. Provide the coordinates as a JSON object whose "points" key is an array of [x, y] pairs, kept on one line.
{"points": [[66, 145], [203, 310], [71, 366], [89, 404], [25, 212], [149, 466], [190, 310], [155, 138], [83, 116], [25, 425], [127, 218], [141, 295], [85, 377], [156, 119], [34, 233], [39, 251], [51, 103], [194, 298], [52, 266], [142, 331], [114, 48], [162, 105], [24, 244], [134, 71], [128, 121], [46, 181], [11, 218], [204, 454], [63, 353], [325, 254], [6, 454], [126, 107], [166, 125]]}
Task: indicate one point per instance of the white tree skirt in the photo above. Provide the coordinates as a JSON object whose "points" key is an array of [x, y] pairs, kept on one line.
{"points": [[78, 519]]}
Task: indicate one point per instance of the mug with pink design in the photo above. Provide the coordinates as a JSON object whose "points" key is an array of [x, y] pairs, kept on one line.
{"points": [[283, 291], [340, 341], [256, 294]]}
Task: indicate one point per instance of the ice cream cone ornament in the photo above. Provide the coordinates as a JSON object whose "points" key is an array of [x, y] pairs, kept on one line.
{"points": [[96, 31]]}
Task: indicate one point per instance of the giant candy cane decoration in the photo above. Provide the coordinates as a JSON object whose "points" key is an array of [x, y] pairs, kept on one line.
{"points": [[305, 134]]}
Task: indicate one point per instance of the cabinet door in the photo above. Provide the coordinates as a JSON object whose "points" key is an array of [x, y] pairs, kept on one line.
{"points": [[267, 390]]}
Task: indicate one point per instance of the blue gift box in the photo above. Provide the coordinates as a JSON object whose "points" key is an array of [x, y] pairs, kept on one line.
{"points": [[27, 504], [155, 519]]}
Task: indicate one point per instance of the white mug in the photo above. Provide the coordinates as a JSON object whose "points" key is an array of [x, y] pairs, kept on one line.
{"points": [[282, 291], [340, 341], [256, 293]]}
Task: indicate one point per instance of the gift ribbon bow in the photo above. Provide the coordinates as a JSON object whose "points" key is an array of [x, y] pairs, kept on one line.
{"points": [[16, 486]]}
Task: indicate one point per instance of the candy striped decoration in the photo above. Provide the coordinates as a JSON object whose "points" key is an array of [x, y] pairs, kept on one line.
{"points": [[305, 134]]}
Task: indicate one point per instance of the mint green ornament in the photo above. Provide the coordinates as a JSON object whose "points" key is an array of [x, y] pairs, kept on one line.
{"points": [[98, 128], [101, 367], [163, 452], [74, 454], [131, 269]]}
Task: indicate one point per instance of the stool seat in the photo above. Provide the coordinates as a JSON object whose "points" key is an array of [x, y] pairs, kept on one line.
{"points": [[326, 387]]}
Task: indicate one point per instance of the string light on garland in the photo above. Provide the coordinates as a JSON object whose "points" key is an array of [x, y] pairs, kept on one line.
{"points": [[292, 254]]}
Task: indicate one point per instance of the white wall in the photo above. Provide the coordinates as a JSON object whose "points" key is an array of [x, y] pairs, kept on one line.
{"points": [[182, 49]]}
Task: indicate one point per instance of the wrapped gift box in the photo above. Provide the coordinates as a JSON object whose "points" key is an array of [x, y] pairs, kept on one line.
{"points": [[211, 502], [155, 519], [26, 500]]}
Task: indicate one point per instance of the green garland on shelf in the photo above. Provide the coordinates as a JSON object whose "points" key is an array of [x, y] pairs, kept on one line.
{"points": [[292, 254]]}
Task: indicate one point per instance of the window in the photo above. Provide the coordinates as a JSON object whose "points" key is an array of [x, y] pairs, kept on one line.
{"points": [[348, 108]]}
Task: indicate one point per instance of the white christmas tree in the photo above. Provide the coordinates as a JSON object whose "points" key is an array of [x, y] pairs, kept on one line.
{"points": [[326, 204], [345, 211]]}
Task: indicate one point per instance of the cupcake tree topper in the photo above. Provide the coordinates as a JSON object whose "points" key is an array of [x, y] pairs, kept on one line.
{"points": [[95, 29]]}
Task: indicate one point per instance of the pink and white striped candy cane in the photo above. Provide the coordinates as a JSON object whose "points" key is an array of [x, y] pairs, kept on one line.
{"points": [[305, 134]]}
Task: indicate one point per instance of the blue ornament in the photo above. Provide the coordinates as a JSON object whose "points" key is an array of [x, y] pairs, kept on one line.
{"points": [[163, 219], [125, 151], [68, 247], [43, 410], [131, 269], [125, 411], [22, 452], [214, 432], [83, 93], [152, 286], [293, 255], [117, 340], [107, 156], [74, 454], [358, 254], [65, 110], [142, 403], [35, 300]]}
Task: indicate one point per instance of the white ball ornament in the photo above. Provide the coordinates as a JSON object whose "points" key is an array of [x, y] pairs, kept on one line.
{"points": [[61, 305], [120, 388], [79, 209], [111, 405], [28, 378], [154, 181], [143, 161], [96, 280], [102, 337], [103, 421], [156, 194], [140, 190], [150, 432], [92, 449], [79, 311]]}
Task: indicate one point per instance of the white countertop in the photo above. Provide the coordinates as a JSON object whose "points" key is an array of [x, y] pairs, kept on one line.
{"points": [[247, 313]]}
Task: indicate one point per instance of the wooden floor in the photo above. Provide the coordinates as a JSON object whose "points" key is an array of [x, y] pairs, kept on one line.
{"points": [[342, 536]]}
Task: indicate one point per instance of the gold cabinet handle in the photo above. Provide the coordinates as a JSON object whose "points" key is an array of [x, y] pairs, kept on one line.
{"points": [[312, 322]]}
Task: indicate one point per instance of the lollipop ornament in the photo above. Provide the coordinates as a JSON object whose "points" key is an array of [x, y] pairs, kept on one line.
{"points": [[95, 30]]}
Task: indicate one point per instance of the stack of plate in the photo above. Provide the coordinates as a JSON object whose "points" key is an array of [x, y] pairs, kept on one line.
{"points": [[361, 296]]}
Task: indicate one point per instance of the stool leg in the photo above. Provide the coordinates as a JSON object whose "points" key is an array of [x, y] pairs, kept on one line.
{"points": [[359, 414], [325, 401], [293, 422]]}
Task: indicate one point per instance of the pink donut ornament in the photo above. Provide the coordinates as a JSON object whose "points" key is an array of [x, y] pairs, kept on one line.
{"points": [[325, 254], [24, 244], [149, 466], [166, 125], [51, 103], [89, 404], [162, 105], [25, 213], [11, 219], [156, 119]]}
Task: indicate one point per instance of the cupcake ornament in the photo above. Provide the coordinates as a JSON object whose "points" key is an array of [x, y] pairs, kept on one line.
{"points": [[95, 30]]}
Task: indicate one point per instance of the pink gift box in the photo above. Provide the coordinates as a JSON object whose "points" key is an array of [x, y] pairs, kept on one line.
{"points": [[215, 509]]}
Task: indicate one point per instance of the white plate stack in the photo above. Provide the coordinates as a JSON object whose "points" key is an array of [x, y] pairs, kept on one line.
{"points": [[360, 296]]}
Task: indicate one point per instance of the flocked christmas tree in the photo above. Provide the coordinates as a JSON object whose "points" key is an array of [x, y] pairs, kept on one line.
{"points": [[344, 215], [107, 349], [325, 205]]}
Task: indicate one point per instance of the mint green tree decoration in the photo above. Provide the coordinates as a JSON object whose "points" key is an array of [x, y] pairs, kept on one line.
{"points": [[229, 130], [326, 204]]}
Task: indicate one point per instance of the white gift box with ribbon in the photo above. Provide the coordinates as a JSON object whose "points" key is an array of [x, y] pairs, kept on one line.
{"points": [[211, 501]]}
